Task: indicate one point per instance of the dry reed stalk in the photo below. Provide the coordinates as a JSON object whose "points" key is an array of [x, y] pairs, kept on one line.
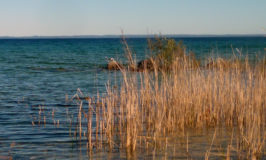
{"points": [[228, 152], [208, 152], [97, 126], [80, 120], [129, 55], [89, 126]]}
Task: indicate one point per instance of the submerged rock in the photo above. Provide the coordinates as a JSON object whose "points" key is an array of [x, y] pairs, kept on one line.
{"points": [[145, 64], [114, 65], [141, 66]]}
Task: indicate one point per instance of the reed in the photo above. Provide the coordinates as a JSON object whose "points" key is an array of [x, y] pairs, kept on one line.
{"points": [[150, 109]]}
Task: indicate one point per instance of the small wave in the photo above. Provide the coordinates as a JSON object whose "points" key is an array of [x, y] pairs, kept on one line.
{"points": [[82, 68], [36, 106], [52, 69]]}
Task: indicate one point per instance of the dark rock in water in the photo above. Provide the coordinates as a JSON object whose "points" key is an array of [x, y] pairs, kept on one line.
{"points": [[145, 64], [60, 69], [113, 65]]}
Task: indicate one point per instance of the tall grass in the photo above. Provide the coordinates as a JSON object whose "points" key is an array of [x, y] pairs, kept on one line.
{"points": [[162, 104], [151, 109]]}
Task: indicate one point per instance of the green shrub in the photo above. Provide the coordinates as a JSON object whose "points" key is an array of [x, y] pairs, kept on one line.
{"points": [[165, 52]]}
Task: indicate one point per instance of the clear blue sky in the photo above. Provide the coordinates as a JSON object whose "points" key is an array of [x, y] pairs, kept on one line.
{"points": [[104, 17]]}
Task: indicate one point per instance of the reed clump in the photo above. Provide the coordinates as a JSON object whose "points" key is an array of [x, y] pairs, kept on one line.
{"points": [[150, 107]]}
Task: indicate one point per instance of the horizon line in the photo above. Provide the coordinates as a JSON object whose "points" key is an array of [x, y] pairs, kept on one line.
{"points": [[134, 36]]}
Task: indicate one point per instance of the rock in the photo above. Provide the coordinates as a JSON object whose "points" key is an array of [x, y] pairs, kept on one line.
{"points": [[113, 65], [145, 64]]}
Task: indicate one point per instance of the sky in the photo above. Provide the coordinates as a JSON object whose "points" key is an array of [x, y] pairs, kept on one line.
{"points": [[109, 17]]}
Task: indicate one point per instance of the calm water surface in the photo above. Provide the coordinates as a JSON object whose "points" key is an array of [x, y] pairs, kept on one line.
{"points": [[43, 72]]}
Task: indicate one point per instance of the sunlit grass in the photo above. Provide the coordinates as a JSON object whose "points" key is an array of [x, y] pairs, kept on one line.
{"points": [[150, 109]]}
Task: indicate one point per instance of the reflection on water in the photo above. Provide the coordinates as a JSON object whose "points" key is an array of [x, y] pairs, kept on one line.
{"points": [[62, 146]]}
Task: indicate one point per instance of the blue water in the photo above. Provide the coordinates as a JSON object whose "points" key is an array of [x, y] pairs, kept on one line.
{"points": [[42, 72]]}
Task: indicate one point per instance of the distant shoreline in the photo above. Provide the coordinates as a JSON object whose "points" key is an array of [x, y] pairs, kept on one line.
{"points": [[135, 36]]}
